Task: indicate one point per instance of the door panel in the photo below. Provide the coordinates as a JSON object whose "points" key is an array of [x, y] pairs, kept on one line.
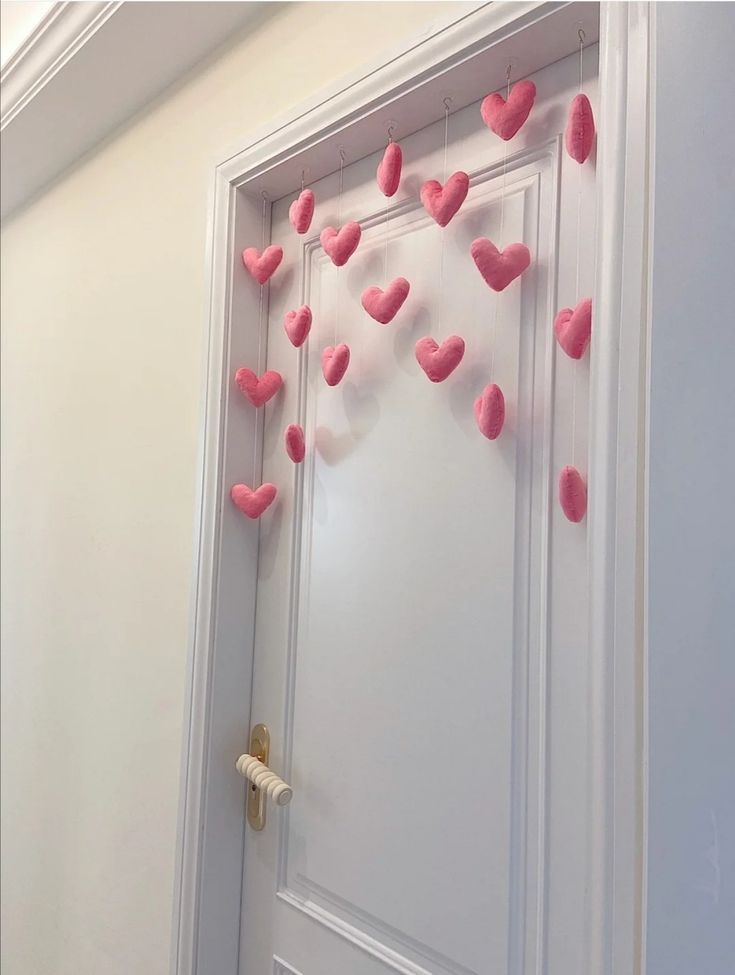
{"points": [[421, 607]]}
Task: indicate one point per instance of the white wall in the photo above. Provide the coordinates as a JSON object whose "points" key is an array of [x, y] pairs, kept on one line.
{"points": [[691, 868], [103, 283]]}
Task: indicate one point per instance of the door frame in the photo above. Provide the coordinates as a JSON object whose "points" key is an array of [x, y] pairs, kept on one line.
{"points": [[443, 60]]}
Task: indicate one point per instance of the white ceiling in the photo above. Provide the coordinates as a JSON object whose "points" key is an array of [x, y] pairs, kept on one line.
{"points": [[18, 20]]}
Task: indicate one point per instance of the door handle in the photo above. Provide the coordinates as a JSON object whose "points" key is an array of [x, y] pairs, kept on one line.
{"points": [[263, 781]]}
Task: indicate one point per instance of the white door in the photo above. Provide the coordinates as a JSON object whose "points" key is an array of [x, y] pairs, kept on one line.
{"points": [[421, 613]]}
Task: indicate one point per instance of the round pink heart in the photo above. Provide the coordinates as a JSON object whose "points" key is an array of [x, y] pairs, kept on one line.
{"points": [[301, 211], [258, 390], [384, 305], [580, 131], [298, 325], [262, 266], [490, 411], [442, 202], [253, 503], [438, 361], [573, 328], [499, 268], [341, 244], [506, 117], [572, 494], [335, 360], [294, 440], [389, 169]]}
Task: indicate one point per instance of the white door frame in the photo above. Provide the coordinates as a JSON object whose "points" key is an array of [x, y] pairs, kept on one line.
{"points": [[445, 59]]}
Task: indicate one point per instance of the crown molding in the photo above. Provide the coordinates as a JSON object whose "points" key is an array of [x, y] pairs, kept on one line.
{"points": [[87, 68]]}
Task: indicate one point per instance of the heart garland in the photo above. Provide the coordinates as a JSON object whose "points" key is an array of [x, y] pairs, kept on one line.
{"points": [[572, 494], [258, 390], [499, 268], [262, 265], [253, 502], [573, 328], [301, 211], [297, 325], [439, 361], [490, 411], [341, 244], [335, 360], [293, 438], [383, 306], [505, 118], [389, 169], [442, 202], [580, 131]]}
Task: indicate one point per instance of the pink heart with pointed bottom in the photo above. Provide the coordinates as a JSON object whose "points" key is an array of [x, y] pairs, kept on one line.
{"points": [[438, 361], [389, 170], [580, 131], [573, 328], [506, 117], [341, 244], [301, 211], [490, 411], [294, 440], [499, 268], [335, 360], [572, 494], [258, 390], [298, 325], [384, 305], [262, 266], [253, 503], [442, 202]]}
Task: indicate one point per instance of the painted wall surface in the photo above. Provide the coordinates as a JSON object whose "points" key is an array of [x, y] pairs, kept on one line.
{"points": [[103, 307], [691, 868]]}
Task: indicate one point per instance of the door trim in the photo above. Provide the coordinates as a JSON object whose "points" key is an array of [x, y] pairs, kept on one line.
{"points": [[208, 885]]}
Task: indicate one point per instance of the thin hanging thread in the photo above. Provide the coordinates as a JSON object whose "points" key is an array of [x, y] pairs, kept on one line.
{"points": [[447, 103], [339, 227], [387, 208], [502, 231], [581, 35], [260, 329]]}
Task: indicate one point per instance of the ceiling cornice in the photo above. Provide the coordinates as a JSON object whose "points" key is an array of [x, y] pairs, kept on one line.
{"points": [[86, 69]]}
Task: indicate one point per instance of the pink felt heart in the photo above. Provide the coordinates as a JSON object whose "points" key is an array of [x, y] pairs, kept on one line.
{"points": [[438, 361], [301, 211], [298, 324], [253, 503], [294, 440], [499, 268], [442, 202], [573, 328], [572, 494], [490, 411], [389, 170], [384, 305], [506, 117], [335, 360], [341, 244], [580, 132], [261, 266], [258, 391]]}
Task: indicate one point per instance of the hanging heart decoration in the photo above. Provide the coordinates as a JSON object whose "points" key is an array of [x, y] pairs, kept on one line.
{"points": [[298, 325], [573, 328], [383, 306], [262, 266], [258, 390], [389, 169], [499, 268], [438, 361], [341, 244], [442, 202], [490, 411], [294, 439], [335, 360], [580, 131], [572, 494], [301, 211], [505, 118], [253, 502]]}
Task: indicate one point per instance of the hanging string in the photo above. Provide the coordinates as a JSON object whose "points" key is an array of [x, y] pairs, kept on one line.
{"points": [[339, 227], [501, 235], [264, 196], [581, 35], [447, 104], [391, 128]]}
